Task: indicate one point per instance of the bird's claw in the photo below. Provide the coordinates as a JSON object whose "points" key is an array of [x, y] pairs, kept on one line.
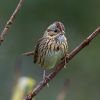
{"points": [[44, 78], [66, 60]]}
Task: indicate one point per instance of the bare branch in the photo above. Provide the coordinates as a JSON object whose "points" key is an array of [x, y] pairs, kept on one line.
{"points": [[28, 53], [58, 67], [10, 21]]}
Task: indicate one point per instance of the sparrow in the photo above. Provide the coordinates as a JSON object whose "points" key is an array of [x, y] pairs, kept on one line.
{"points": [[52, 47]]}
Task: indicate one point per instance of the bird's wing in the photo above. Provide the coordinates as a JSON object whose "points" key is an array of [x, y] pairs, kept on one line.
{"points": [[39, 49]]}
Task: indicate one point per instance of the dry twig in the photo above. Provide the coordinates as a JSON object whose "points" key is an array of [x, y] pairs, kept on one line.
{"points": [[58, 67], [28, 53], [10, 21]]}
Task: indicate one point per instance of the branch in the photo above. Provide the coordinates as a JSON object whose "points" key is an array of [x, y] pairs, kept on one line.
{"points": [[58, 67], [10, 21], [28, 53]]}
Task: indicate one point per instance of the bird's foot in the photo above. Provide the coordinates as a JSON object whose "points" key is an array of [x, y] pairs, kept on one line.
{"points": [[66, 60], [45, 77]]}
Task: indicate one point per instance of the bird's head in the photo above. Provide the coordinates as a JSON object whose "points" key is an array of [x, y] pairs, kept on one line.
{"points": [[55, 29]]}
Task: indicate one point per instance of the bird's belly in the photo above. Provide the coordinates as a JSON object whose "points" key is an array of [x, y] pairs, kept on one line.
{"points": [[52, 58]]}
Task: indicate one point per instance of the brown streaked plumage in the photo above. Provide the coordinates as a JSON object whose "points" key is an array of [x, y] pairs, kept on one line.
{"points": [[52, 47]]}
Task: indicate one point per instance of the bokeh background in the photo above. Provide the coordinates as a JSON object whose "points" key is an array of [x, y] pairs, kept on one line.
{"points": [[80, 18]]}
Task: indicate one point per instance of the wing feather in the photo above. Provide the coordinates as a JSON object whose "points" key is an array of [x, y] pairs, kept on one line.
{"points": [[40, 50]]}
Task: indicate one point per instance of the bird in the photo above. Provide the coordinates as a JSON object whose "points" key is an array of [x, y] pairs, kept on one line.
{"points": [[52, 46]]}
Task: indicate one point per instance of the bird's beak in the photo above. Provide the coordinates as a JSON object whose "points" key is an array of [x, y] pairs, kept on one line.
{"points": [[63, 32]]}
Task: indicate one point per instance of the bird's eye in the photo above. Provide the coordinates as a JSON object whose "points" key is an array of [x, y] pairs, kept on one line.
{"points": [[55, 30]]}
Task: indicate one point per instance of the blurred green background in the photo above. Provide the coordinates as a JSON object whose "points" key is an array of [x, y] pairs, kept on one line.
{"points": [[80, 18]]}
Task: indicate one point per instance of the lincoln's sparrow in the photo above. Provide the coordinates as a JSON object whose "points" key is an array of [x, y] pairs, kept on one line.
{"points": [[52, 47]]}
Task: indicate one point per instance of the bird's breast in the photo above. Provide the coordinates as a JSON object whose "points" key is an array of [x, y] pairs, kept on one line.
{"points": [[52, 57], [55, 51]]}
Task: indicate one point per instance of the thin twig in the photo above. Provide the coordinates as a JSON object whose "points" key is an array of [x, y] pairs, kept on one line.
{"points": [[10, 21], [28, 53], [58, 67]]}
